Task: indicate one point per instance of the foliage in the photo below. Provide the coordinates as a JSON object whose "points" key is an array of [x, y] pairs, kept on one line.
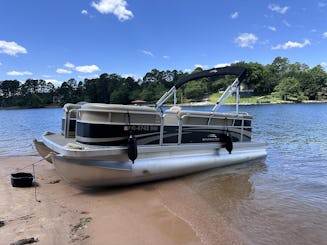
{"points": [[289, 89], [195, 90], [280, 80]]}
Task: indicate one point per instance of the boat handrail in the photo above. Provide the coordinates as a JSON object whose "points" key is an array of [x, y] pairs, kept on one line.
{"points": [[215, 72], [120, 111], [120, 117], [181, 116], [68, 112], [102, 106], [211, 118], [213, 114]]}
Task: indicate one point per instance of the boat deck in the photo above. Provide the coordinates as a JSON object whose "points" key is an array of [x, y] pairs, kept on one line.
{"points": [[68, 147]]}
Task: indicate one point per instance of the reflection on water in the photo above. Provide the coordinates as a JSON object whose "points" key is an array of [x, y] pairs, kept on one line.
{"points": [[232, 184], [263, 208]]}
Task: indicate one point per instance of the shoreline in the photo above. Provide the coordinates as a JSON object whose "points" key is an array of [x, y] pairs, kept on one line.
{"points": [[261, 103], [25, 107], [195, 104], [152, 213]]}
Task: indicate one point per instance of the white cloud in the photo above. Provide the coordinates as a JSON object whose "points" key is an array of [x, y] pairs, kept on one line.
{"points": [[135, 77], [272, 28], [324, 35], [91, 76], [222, 65], [203, 67], [19, 73], [116, 7], [290, 44], [84, 12], [166, 57], [47, 76], [225, 64], [87, 68], [286, 23], [11, 48], [322, 4], [69, 68], [127, 75], [246, 40], [323, 64], [149, 53], [265, 42], [234, 15], [0, 64], [69, 65], [55, 82], [63, 71], [278, 9]]}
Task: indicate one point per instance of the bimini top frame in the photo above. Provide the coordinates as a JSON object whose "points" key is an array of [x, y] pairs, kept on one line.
{"points": [[215, 72]]}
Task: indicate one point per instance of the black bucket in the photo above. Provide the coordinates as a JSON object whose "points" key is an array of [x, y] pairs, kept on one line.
{"points": [[22, 179]]}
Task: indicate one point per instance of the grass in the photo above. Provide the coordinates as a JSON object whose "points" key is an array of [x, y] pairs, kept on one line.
{"points": [[246, 100]]}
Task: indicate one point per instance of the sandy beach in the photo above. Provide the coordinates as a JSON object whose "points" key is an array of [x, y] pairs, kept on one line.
{"points": [[165, 212]]}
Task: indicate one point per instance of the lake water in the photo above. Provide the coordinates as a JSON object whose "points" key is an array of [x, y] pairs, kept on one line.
{"points": [[282, 200]]}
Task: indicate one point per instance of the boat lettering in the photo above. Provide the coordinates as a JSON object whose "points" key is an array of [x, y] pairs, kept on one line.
{"points": [[147, 128], [210, 139]]}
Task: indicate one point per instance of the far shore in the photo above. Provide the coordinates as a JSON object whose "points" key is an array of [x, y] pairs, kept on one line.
{"points": [[200, 103]]}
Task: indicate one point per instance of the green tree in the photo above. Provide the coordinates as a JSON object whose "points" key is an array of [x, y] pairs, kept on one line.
{"points": [[30, 86], [120, 95], [66, 91], [90, 90], [31, 101], [314, 82], [151, 92], [9, 87], [254, 78], [80, 92], [289, 89], [195, 90], [104, 87], [273, 74], [280, 65]]}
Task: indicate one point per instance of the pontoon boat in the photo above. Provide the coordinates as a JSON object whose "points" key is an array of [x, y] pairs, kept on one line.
{"points": [[110, 144]]}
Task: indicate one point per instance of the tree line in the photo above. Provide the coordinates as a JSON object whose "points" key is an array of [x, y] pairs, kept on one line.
{"points": [[282, 79]]}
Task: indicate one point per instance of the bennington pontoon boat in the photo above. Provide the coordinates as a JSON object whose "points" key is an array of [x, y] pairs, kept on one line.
{"points": [[110, 144]]}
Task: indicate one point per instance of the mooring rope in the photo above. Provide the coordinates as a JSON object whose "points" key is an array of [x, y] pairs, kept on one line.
{"points": [[34, 175], [19, 169]]}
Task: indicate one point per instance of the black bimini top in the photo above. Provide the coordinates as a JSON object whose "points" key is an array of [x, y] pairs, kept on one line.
{"points": [[215, 72]]}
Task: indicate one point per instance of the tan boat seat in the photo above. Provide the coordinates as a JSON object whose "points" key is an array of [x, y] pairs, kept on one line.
{"points": [[171, 115], [116, 113], [208, 117]]}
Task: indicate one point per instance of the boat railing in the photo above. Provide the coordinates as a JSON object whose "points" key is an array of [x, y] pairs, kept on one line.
{"points": [[67, 125], [150, 117], [206, 120], [106, 116], [68, 120], [119, 116], [225, 122]]}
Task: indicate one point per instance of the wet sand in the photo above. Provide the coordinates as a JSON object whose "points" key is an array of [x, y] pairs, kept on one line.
{"points": [[165, 212]]}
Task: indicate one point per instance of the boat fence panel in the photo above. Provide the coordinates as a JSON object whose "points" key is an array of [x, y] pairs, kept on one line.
{"points": [[120, 116]]}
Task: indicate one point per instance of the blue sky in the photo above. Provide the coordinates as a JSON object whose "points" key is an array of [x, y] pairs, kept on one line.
{"points": [[56, 40]]}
